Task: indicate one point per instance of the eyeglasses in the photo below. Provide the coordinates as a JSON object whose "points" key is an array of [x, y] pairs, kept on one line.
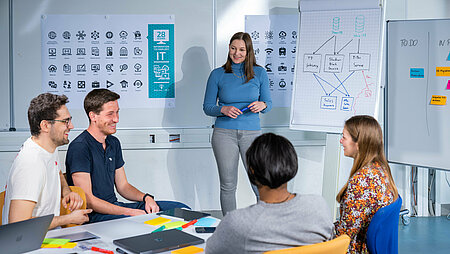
{"points": [[66, 121]]}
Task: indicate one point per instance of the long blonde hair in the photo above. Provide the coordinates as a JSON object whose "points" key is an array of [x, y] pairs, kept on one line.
{"points": [[366, 131]]}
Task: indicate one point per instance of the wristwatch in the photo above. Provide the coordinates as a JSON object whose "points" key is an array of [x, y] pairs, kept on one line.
{"points": [[147, 195]]}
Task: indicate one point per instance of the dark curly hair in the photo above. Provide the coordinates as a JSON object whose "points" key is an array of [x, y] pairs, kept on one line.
{"points": [[44, 107]]}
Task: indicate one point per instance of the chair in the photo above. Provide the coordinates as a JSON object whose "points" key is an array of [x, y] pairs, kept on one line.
{"points": [[64, 211], [382, 234], [2, 202], [338, 245]]}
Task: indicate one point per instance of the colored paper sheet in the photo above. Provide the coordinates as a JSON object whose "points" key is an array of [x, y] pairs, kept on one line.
{"points": [[205, 222], [50, 246], [188, 250], [55, 241], [174, 224], [443, 71], [157, 221], [448, 85], [438, 100], [448, 57], [416, 73], [69, 245]]}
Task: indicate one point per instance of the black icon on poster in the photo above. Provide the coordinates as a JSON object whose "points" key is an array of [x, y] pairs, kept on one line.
{"points": [[66, 84], [282, 51], [67, 68], [123, 51], [81, 51], [66, 51], [52, 52], [137, 83], [109, 51], [123, 67], [95, 35], [81, 84], [269, 51], [137, 67], [271, 83], [95, 67], [52, 35], [294, 50], [81, 35], [137, 35], [255, 35], [95, 84], [294, 35], [52, 68], [95, 51], [137, 51], [268, 35], [109, 84], [52, 84], [66, 35], [81, 67], [124, 83], [282, 35], [123, 35], [282, 67], [109, 35], [282, 83], [267, 66], [109, 67]]}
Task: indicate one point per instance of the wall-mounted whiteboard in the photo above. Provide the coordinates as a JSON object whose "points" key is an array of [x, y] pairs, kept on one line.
{"points": [[337, 68], [418, 81]]}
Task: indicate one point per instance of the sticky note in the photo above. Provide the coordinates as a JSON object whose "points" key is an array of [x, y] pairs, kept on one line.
{"points": [[205, 222], [416, 73], [188, 250], [448, 57], [174, 224], [55, 241], [69, 245], [443, 71], [438, 100], [50, 246], [448, 85], [157, 221]]}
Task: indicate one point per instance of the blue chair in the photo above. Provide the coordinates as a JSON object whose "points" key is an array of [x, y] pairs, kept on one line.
{"points": [[382, 234]]}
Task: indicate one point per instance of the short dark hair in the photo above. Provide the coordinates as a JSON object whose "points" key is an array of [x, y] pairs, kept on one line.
{"points": [[271, 161], [44, 107], [96, 98]]}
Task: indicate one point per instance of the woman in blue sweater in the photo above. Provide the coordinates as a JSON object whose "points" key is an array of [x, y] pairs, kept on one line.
{"points": [[236, 93]]}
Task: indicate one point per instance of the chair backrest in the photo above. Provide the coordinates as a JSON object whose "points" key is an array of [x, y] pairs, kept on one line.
{"points": [[2, 202], [382, 234], [64, 211], [338, 245]]}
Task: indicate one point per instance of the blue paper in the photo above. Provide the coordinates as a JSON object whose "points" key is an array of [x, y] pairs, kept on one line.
{"points": [[205, 222], [416, 73]]}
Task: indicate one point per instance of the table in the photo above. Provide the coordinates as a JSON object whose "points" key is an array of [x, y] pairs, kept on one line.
{"points": [[114, 229]]}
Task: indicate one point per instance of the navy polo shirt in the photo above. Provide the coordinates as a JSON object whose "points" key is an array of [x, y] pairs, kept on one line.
{"points": [[86, 154]]}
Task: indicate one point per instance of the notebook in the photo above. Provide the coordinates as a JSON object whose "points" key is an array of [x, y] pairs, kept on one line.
{"points": [[23, 236], [158, 242]]}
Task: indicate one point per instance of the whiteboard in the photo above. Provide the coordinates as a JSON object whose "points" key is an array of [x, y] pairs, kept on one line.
{"points": [[337, 68], [418, 132], [193, 57]]}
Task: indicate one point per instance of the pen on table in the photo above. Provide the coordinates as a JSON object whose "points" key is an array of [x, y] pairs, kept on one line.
{"points": [[159, 229], [102, 250], [121, 251], [192, 222]]}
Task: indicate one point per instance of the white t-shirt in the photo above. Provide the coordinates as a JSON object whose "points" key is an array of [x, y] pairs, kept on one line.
{"points": [[34, 176]]}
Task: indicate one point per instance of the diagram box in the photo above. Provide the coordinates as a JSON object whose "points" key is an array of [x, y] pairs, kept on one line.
{"points": [[333, 63], [311, 63], [359, 62], [346, 103], [328, 102]]}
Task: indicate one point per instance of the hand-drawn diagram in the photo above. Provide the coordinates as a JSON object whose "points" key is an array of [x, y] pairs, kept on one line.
{"points": [[337, 66]]}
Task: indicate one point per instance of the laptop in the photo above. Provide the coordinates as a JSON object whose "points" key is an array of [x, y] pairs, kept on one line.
{"points": [[187, 215], [23, 236], [158, 241]]}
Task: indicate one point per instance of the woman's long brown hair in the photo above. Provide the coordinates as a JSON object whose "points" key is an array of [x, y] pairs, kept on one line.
{"points": [[366, 131], [250, 59]]}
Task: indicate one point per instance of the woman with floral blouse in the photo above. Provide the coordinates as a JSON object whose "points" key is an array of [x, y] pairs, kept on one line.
{"points": [[370, 185]]}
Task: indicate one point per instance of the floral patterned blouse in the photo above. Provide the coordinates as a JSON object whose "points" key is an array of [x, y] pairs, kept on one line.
{"points": [[367, 192]]}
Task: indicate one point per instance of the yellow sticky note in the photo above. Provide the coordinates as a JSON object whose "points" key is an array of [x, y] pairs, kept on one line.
{"points": [[443, 71], [438, 100], [188, 250], [50, 245], [174, 224], [157, 221], [69, 245]]}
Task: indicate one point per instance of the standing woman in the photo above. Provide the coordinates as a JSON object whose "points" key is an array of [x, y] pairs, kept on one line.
{"points": [[236, 93], [370, 185]]}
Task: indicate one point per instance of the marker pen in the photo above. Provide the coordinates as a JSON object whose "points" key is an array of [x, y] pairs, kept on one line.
{"points": [[102, 250], [245, 109]]}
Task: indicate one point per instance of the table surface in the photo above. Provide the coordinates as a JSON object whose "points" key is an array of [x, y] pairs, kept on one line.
{"points": [[114, 229]]}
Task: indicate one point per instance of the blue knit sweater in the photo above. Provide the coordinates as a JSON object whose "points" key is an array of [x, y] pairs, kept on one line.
{"points": [[230, 89]]}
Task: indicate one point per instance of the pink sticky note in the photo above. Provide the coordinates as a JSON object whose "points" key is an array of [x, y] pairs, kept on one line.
{"points": [[448, 85]]}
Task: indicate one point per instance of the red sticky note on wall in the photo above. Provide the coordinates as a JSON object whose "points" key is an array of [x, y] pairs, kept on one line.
{"points": [[448, 85]]}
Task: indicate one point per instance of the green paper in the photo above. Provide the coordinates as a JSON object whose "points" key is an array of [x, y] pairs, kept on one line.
{"points": [[55, 241]]}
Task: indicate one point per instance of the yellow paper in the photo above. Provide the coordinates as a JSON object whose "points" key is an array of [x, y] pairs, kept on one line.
{"points": [[174, 224], [443, 71], [438, 100], [69, 245], [157, 221], [50, 245], [188, 250]]}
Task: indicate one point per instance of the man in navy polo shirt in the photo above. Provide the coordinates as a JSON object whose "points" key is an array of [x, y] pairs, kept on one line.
{"points": [[94, 162]]}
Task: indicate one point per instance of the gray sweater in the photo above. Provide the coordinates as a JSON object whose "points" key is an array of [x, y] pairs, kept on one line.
{"points": [[303, 220]]}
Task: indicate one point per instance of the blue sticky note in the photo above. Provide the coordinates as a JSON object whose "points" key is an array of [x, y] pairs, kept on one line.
{"points": [[448, 57], [205, 222], [416, 73]]}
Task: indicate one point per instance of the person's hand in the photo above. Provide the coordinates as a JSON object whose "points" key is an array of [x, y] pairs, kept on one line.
{"points": [[72, 200], [150, 205], [257, 106], [134, 212], [79, 216], [230, 111]]}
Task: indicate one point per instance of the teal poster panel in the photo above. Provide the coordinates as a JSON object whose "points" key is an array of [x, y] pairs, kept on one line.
{"points": [[161, 61]]}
